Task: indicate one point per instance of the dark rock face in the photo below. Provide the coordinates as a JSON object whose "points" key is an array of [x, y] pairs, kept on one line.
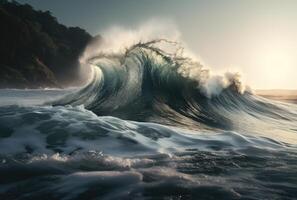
{"points": [[37, 51]]}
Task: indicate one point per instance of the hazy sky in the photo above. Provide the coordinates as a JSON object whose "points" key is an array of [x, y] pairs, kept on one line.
{"points": [[256, 37]]}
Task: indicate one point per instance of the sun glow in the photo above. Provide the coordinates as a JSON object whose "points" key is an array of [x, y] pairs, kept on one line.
{"points": [[273, 65]]}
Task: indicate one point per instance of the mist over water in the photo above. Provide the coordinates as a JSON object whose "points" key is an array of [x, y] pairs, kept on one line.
{"points": [[152, 123]]}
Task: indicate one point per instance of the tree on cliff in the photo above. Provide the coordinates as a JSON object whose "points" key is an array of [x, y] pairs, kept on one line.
{"points": [[35, 49]]}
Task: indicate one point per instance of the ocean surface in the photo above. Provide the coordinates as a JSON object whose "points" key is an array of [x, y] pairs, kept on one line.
{"points": [[148, 125]]}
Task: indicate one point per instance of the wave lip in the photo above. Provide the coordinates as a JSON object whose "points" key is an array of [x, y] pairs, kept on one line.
{"points": [[152, 83], [148, 83]]}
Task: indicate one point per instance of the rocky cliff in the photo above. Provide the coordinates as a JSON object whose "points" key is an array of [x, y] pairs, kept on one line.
{"points": [[36, 50]]}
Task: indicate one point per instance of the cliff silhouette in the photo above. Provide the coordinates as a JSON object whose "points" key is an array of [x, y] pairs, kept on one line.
{"points": [[36, 50]]}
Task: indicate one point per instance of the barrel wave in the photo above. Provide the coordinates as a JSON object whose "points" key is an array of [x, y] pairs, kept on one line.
{"points": [[151, 123]]}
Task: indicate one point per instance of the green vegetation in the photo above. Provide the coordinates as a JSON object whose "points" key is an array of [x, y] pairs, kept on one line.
{"points": [[36, 50]]}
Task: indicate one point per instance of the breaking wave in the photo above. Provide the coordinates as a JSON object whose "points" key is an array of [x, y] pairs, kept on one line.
{"points": [[152, 123], [154, 82]]}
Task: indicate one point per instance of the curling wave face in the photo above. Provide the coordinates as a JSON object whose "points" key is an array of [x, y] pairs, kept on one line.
{"points": [[149, 84], [145, 83], [151, 124]]}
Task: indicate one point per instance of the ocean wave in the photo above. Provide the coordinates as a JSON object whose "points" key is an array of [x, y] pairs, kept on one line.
{"points": [[150, 124], [146, 82]]}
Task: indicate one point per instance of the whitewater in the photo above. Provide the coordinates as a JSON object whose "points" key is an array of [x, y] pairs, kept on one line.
{"points": [[151, 123]]}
